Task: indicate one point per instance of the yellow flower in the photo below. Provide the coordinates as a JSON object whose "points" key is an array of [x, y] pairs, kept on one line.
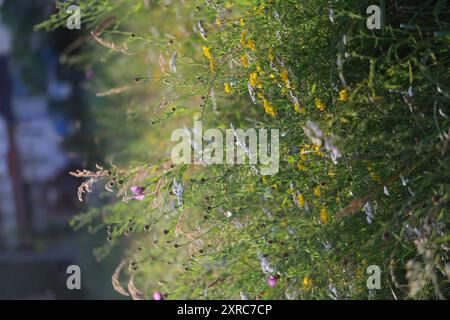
{"points": [[228, 5], [301, 166], [259, 70], [307, 283], [207, 52], [343, 95], [301, 200], [243, 36], [331, 173], [227, 87], [319, 104], [285, 78], [317, 191], [244, 61], [324, 215], [270, 55], [260, 9], [251, 45], [299, 109], [375, 177], [269, 108], [242, 22], [253, 79]]}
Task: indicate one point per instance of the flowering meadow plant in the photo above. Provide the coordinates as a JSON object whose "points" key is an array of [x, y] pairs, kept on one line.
{"points": [[364, 164]]}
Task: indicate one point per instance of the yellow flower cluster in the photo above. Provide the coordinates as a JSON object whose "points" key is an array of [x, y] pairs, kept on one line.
{"points": [[285, 77], [319, 104], [253, 79], [208, 55], [372, 174], [268, 108], [318, 191], [299, 109], [244, 61], [307, 283], [247, 43], [324, 215], [314, 149], [227, 87], [270, 55], [343, 95], [301, 200]]}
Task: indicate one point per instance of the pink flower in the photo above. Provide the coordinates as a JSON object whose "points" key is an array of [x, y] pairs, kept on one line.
{"points": [[272, 281], [158, 296], [89, 74], [138, 192]]}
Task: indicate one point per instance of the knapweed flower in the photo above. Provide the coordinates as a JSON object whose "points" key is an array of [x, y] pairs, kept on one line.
{"points": [[324, 215], [319, 104], [317, 191], [138, 192], [307, 283], [343, 95], [89, 74], [272, 281], [158, 296]]}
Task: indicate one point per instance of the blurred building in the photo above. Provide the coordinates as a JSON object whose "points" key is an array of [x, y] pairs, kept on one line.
{"points": [[34, 183]]}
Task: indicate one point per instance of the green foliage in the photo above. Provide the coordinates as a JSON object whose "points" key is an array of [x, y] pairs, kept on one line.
{"points": [[380, 96]]}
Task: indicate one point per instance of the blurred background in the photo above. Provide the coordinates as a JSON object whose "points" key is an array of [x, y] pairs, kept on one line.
{"points": [[41, 140]]}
